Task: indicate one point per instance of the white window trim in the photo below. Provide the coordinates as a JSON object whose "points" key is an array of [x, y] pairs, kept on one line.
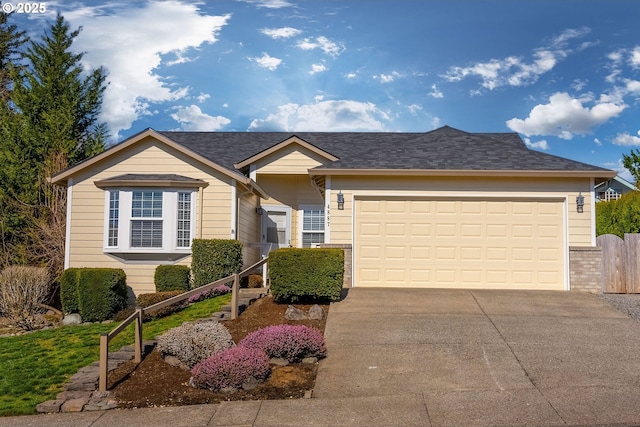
{"points": [[301, 231], [169, 219]]}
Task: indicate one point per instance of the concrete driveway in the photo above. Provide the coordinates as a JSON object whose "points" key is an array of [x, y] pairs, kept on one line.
{"points": [[485, 358]]}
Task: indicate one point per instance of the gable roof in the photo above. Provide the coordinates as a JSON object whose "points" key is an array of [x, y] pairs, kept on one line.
{"points": [[444, 151], [617, 178]]}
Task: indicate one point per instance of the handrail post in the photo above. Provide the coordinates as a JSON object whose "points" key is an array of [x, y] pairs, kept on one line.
{"points": [[138, 334], [104, 362], [234, 296]]}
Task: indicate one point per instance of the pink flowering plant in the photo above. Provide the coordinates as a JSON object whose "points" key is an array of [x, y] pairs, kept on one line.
{"points": [[218, 290], [231, 368], [290, 342]]}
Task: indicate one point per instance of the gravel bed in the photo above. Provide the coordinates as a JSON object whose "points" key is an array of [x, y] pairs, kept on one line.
{"points": [[628, 304]]}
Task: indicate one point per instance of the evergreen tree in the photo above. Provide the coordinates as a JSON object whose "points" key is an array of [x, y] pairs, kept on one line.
{"points": [[11, 40], [50, 124]]}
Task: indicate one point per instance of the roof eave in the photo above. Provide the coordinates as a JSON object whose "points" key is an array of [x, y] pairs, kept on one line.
{"points": [[62, 177], [452, 172]]}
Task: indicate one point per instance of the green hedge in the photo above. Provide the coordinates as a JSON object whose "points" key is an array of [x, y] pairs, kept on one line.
{"points": [[69, 290], [619, 216], [306, 274], [147, 300], [102, 292], [213, 259], [171, 278]]}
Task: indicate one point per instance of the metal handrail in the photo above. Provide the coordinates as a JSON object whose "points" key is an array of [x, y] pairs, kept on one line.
{"points": [[138, 315]]}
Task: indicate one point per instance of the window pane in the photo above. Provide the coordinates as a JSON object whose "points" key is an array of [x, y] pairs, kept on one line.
{"points": [[146, 234], [146, 204], [311, 238], [313, 220], [184, 220], [114, 206]]}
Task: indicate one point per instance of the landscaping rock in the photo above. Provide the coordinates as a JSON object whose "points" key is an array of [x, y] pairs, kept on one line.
{"points": [[72, 319], [279, 361], [101, 401], [293, 313], [310, 360], [316, 312], [74, 405], [174, 361], [250, 383], [50, 406]]}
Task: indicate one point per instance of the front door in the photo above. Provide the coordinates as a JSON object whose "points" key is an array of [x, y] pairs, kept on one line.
{"points": [[276, 227]]}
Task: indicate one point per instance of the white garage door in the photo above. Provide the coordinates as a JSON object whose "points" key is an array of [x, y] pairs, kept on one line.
{"points": [[495, 243]]}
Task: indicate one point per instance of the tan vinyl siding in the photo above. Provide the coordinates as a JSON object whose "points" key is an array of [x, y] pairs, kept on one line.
{"points": [[292, 159], [293, 191], [147, 157], [579, 228]]}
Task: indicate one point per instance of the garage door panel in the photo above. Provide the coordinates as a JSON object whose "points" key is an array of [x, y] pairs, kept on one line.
{"points": [[460, 243]]}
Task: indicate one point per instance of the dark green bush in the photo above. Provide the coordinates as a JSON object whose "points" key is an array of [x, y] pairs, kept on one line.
{"points": [[102, 292], [69, 290], [213, 259], [171, 278], [147, 300], [619, 216], [306, 274]]}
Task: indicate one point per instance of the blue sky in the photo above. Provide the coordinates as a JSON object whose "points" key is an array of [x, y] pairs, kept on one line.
{"points": [[565, 75]]}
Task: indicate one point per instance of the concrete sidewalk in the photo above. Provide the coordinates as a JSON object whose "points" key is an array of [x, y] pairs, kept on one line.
{"points": [[442, 358]]}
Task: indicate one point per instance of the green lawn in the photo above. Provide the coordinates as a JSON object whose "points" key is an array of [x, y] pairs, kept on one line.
{"points": [[35, 366]]}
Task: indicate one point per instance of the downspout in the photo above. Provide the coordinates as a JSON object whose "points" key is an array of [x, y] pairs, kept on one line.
{"points": [[67, 232], [201, 213], [592, 191], [234, 209]]}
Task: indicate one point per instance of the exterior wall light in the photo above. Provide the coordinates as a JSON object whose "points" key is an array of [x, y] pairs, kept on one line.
{"points": [[340, 201], [580, 203], [259, 210]]}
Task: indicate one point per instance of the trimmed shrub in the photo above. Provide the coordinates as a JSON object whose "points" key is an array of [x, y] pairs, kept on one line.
{"points": [[251, 281], [102, 292], [171, 278], [306, 274], [291, 342], [193, 342], [69, 290], [22, 291], [231, 368], [213, 259], [147, 300], [218, 290], [620, 216]]}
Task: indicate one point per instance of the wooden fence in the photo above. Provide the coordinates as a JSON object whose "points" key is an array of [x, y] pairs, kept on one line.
{"points": [[138, 315], [620, 269]]}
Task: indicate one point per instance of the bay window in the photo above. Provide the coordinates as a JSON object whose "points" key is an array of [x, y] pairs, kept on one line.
{"points": [[149, 220]]}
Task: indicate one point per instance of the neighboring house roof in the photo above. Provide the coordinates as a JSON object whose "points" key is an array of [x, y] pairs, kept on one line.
{"points": [[624, 182], [444, 151]]}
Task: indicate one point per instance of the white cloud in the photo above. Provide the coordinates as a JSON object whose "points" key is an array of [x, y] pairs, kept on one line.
{"points": [[626, 139], [635, 57], [622, 171], [269, 4], [564, 116], [351, 75], [327, 46], [281, 33], [435, 92], [515, 71], [133, 66], [203, 97], [191, 118], [539, 145], [598, 142], [414, 108], [388, 78], [266, 61], [335, 116], [317, 68]]}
